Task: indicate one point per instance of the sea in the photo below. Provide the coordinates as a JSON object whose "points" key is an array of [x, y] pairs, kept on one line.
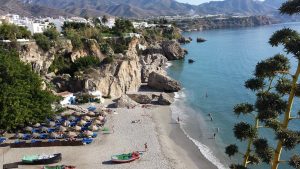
{"points": [[214, 84]]}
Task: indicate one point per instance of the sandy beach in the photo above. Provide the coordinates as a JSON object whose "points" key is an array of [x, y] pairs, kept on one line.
{"points": [[168, 146]]}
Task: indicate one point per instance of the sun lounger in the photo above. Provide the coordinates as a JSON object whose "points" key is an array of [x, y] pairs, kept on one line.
{"points": [[87, 140], [2, 140]]}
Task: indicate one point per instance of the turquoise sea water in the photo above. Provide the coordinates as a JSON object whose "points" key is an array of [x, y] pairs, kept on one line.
{"points": [[222, 65]]}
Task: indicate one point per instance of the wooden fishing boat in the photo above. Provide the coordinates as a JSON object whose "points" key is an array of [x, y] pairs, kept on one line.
{"points": [[126, 158], [42, 159]]}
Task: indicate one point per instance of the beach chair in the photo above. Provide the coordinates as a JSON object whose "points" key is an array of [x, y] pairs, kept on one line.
{"points": [[87, 140], [26, 137], [19, 142], [2, 140], [94, 135], [35, 141], [91, 108], [43, 136]]}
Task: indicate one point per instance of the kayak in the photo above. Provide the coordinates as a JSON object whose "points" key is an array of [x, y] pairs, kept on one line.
{"points": [[126, 158], [41, 159]]}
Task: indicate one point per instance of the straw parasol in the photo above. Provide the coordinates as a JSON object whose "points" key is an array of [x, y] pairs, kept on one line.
{"points": [[37, 125], [101, 118], [98, 122], [72, 118], [82, 122], [45, 129], [51, 123], [68, 113], [54, 135], [88, 133], [93, 128], [19, 135], [87, 118], [57, 117], [77, 128], [66, 123], [28, 128], [77, 113], [62, 128], [72, 134], [91, 113], [35, 135]]}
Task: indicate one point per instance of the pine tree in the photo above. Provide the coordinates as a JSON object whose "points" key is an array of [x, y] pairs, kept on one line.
{"points": [[272, 83]]}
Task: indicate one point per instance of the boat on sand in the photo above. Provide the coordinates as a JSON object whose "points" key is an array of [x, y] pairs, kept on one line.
{"points": [[126, 158], [41, 159]]}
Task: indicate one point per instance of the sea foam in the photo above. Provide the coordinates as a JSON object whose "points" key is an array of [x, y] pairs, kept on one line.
{"points": [[177, 111]]}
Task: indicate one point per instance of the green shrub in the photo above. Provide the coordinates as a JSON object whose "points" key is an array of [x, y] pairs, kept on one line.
{"points": [[84, 63], [108, 60], [42, 41], [51, 33], [13, 32]]}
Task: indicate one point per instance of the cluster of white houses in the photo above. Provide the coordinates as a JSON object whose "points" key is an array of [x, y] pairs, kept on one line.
{"points": [[38, 25]]}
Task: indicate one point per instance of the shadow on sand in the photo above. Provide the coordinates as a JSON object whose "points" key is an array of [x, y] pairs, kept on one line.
{"points": [[12, 165]]}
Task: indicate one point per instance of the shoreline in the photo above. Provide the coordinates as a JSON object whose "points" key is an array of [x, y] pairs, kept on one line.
{"points": [[178, 148]]}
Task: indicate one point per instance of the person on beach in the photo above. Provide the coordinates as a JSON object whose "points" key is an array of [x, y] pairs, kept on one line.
{"points": [[214, 135], [178, 119], [146, 147], [211, 118]]}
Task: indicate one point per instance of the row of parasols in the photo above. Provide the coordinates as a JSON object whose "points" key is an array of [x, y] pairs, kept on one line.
{"points": [[68, 125]]}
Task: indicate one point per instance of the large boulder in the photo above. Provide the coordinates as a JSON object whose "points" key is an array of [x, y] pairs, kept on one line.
{"points": [[140, 98], [164, 99], [125, 102], [172, 50], [163, 83], [152, 63]]}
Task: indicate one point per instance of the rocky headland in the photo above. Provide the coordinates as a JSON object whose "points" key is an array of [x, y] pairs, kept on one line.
{"points": [[142, 64]]}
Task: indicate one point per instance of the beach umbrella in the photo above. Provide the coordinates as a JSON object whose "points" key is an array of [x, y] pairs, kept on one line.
{"points": [[28, 128], [51, 123], [91, 113], [44, 129], [54, 135], [72, 134], [72, 118], [62, 128], [77, 113], [57, 117], [82, 122], [98, 122], [35, 135], [68, 113], [93, 128], [19, 135], [37, 125], [101, 118], [88, 133], [87, 118], [77, 128], [66, 123]]}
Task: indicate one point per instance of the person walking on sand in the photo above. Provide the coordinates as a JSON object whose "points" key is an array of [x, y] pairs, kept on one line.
{"points": [[215, 135], [146, 147], [178, 119]]}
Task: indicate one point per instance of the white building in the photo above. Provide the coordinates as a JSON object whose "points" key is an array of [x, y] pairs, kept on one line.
{"points": [[97, 95], [68, 98], [110, 21]]}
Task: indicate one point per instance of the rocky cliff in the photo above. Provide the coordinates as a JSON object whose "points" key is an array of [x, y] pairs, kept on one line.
{"points": [[117, 78], [125, 74]]}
